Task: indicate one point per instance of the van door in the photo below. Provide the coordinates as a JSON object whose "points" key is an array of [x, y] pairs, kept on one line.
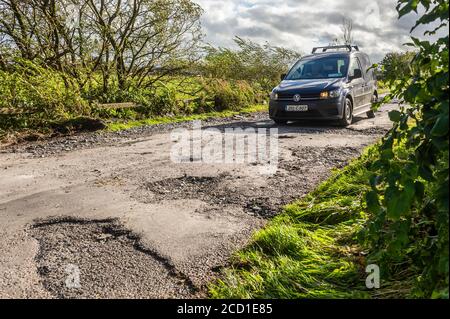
{"points": [[356, 84], [369, 80]]}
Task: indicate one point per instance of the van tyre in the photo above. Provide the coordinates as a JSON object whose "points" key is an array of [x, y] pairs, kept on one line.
{"points": [[371, 113], [347, 117]]}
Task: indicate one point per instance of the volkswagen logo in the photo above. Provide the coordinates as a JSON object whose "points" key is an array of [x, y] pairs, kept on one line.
{"points": [[297, 98]]}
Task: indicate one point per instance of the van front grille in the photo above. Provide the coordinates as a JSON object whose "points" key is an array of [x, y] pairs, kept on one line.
{"points": [[305, 96]]}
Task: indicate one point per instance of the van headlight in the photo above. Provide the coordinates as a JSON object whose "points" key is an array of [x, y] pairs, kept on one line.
{"points": [[330, 94], [274, 96]]}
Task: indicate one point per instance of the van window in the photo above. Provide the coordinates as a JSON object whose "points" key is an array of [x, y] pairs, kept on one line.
{"points": [[366, 64], [354, 65]]}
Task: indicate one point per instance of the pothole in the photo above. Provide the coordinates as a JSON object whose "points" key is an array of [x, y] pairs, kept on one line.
{"points": [[108, 260], [214, 190], [295, 178], [185, 186], [376, 130], [307, 158], [221, 191], [210, 189]]}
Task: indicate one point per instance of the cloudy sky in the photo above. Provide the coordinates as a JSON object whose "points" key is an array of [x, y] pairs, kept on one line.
{"points": [[303, 24]]}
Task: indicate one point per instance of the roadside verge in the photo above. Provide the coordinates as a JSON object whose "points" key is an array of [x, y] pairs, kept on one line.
{"points": [[310, 250]]}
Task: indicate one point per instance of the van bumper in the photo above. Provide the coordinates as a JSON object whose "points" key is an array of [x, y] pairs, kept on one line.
{"points": [[330, 109]]}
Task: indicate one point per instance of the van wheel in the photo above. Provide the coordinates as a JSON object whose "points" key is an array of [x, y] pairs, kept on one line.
{"points": [[371, 113], [347, 117]]}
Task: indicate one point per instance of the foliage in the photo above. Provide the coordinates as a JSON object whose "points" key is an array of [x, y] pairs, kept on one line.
{"points": [[410, 195], [160, 101], [121, 40], [396, 65], [37, 95], [382, 87], [227, 95], [254, 63], [82, 53]]}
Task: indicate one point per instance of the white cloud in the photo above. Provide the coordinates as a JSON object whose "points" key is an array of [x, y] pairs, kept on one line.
{"points": [[303, 24]]}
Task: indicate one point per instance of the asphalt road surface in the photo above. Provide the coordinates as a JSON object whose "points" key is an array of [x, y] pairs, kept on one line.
{"points": [[111, 215]]}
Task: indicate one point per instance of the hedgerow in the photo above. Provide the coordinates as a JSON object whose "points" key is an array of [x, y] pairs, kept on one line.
{"points": [[409, 194]]}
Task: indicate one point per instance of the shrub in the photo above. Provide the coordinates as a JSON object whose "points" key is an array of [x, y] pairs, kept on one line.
{"points": [[228, 95], [252, 62], [159, 101], [36, 95]]}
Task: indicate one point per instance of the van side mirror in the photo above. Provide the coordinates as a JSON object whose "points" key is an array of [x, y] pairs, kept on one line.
{"points": [[283, 76], [357, 74]]}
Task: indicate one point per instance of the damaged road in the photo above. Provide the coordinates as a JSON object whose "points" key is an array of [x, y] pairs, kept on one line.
{"points": [[132, 223]]}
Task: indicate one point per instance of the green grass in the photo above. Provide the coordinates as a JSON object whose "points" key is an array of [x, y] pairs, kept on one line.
{"points": [[123, 125], [310, 250]]}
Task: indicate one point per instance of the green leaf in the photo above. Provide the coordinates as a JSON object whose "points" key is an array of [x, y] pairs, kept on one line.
{"points": [[441, 126], [373, 205], [398, 202], [420, 190], [395, 116], [426, 173]]}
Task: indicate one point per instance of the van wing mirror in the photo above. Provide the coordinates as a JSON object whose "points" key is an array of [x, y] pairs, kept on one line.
{"points": [[357, 74]]}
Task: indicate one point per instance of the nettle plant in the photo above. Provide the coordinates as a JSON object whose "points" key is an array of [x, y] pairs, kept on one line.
{"points": [[409, 200]]}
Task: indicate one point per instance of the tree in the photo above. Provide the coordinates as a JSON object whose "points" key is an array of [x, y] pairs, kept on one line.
{"points": [[347, 31], [396, 65], [261, 64], [125, 40]]}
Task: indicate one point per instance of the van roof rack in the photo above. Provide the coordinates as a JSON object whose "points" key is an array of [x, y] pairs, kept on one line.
{"points": [[334, 47]]}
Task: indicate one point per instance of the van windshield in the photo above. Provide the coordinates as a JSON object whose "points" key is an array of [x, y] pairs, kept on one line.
{"points": [[323, 68]]}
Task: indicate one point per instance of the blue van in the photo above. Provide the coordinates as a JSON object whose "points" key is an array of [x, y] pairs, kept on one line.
{"points": [[335, 84]]}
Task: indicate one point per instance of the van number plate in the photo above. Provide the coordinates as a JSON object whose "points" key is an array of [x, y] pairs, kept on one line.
{"points": [[297, 108]]}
